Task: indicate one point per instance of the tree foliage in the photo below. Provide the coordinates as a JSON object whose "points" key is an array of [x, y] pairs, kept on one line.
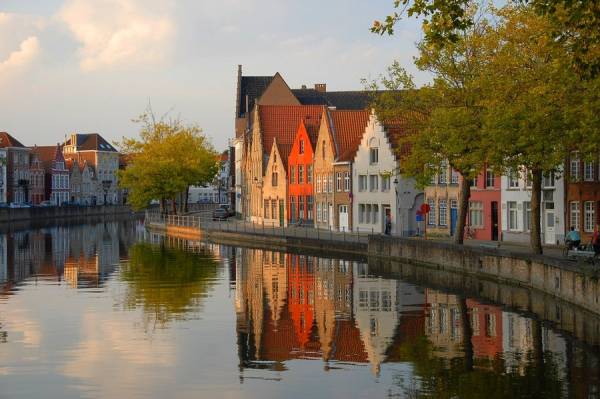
{"points": [[575, 24], [165, 160]]}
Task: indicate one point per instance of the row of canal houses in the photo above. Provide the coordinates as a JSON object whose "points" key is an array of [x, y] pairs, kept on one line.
{"points": [[322, 158], [82, 170]]}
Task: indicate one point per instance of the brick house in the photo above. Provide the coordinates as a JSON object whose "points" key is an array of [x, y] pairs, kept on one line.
{"points": [[337, 142], [17, 171], [37, 174], [300, 174], [442, 195], [484, 206], [582, 189], [56, 181]]}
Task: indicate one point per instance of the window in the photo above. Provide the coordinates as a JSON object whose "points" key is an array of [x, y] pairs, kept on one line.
{"points": [[513, 179], [526, 216], [362, 183], [373, 182], [373, 156], [368, 214], [330, 183], [309, 173], [292, 174], [361, 213], [375, 216], [318, 183], [512, 215], [338, 181], [323, 150], [266, 209], [489, 178], [292, 208], [433, 180], [548, 180], [301, 207], [476, 213], [574, 214], [300, 174], [301, 149], [385, 183], [274, 179], [575, 167], [273, 209], [347, 181], [590, 216], [431, 203], [454, 177], [588, 171], [474, 182], [318, 211], [309, 207], [443, 175], [443, 212]]}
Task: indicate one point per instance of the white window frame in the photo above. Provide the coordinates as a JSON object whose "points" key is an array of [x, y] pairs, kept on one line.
{"points": [[431, 218], [512, 215], [527, 216], [373, 155], [588, 171], [575, 215], [476, 214], [443, 212], [373, 183], [574, 167], [362, 183], [347, 181], [589, 216]]}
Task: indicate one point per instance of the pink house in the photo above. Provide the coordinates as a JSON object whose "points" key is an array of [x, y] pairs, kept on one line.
{"points": [[484, 213]]}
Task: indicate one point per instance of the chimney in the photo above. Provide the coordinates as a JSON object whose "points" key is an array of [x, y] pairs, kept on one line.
{"points": [[321, 87]]}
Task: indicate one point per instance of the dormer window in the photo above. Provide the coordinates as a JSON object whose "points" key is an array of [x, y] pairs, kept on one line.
{"points": [[301, 150], [373, 151]]}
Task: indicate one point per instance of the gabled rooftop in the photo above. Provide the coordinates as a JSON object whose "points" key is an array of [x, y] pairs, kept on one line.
{"points": [[348, 128], [6, 140], [90, 142]]}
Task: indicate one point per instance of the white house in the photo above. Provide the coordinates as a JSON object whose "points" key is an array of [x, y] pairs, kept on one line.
{"points": [[380, 192], [516, 208]]}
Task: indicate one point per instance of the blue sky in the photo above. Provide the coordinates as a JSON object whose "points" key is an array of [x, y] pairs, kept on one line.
{"points": [[93, 65]]}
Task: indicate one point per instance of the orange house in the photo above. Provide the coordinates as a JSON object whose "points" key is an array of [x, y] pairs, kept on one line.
{"points": [[301, 299], [300, 175]]}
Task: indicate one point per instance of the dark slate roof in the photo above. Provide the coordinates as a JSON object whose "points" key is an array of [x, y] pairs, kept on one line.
{"points": [[253, 87], [92, 142], [6, 140], [346, 100]]}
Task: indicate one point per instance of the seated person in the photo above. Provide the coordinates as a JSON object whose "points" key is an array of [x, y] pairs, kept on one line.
{"points": [[573, 238]]}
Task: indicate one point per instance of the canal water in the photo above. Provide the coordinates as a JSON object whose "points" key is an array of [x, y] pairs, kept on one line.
{"points": [[109, 311]]}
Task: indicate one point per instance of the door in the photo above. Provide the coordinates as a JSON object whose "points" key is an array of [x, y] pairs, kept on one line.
{"points": [[386, 223], [494, 223], [343, 217], [550, 230], [281, 213], [453, 216], [331, 216]]}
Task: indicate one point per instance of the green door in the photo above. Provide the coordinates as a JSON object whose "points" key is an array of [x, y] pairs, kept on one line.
{"points": [[281, 213]]}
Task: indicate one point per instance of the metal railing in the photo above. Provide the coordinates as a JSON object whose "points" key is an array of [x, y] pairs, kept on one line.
{"points": [[237, 226]]}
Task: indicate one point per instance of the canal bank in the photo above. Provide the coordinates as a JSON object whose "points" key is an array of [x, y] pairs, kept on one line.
{"points": [[576, 283]]}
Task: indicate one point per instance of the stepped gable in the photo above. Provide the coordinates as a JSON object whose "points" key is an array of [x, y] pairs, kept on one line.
{"points": [[6, 140], [348, 128], [279, 123]]}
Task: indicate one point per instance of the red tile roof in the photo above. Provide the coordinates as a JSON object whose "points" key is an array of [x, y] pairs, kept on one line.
{"points": [[6, 140], [47, 154], [282, 121], [348, 129]]}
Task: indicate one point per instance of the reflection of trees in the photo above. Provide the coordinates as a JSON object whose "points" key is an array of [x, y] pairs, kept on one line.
{"points": [[469, 377], [168, 283]]}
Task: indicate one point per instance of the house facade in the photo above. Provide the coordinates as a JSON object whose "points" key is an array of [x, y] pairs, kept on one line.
{"points": [[103, 157], [582, 195], [37, 174], [484, 221], [516, 208], [442, 195], [338, 140], [56, 173], [300, 176], [3, 162], [17, 169], [381, 194]]}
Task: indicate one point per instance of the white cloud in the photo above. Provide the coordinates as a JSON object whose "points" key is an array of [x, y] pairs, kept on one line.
{"points": [[119, 32], [28, 50]]}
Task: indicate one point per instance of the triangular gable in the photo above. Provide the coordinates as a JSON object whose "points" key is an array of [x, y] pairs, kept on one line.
{"points": [[277, 93]]}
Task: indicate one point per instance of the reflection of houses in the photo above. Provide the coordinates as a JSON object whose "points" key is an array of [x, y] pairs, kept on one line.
{"points": [[3, 259], [517, 341], [301, 296], [375, 303], [443, 324], [486, 328]]}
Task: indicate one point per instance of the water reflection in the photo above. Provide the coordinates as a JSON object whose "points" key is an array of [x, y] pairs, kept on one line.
{"points": [[107, 310]]}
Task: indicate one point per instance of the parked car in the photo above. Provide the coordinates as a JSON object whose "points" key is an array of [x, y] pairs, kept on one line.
{"points": [[227, 208], [220, 214], [19, 205], [45, 204]]}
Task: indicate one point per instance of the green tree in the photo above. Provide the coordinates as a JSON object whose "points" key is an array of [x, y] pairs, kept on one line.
{"points": [[575, 24], [166, 159], [537, 109], [445, 117]]}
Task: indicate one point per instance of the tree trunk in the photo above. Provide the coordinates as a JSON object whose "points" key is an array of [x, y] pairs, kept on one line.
{"points": [[187, 195], [536, 204], [174, 205], [463, 211], [162, 206], [467, 334]]}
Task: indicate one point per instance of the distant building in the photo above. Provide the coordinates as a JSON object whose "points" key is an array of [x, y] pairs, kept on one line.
{"points": [[37, 177], [583, 195], [3, 167], [17, 170], [103, 158], [56, 174]]}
